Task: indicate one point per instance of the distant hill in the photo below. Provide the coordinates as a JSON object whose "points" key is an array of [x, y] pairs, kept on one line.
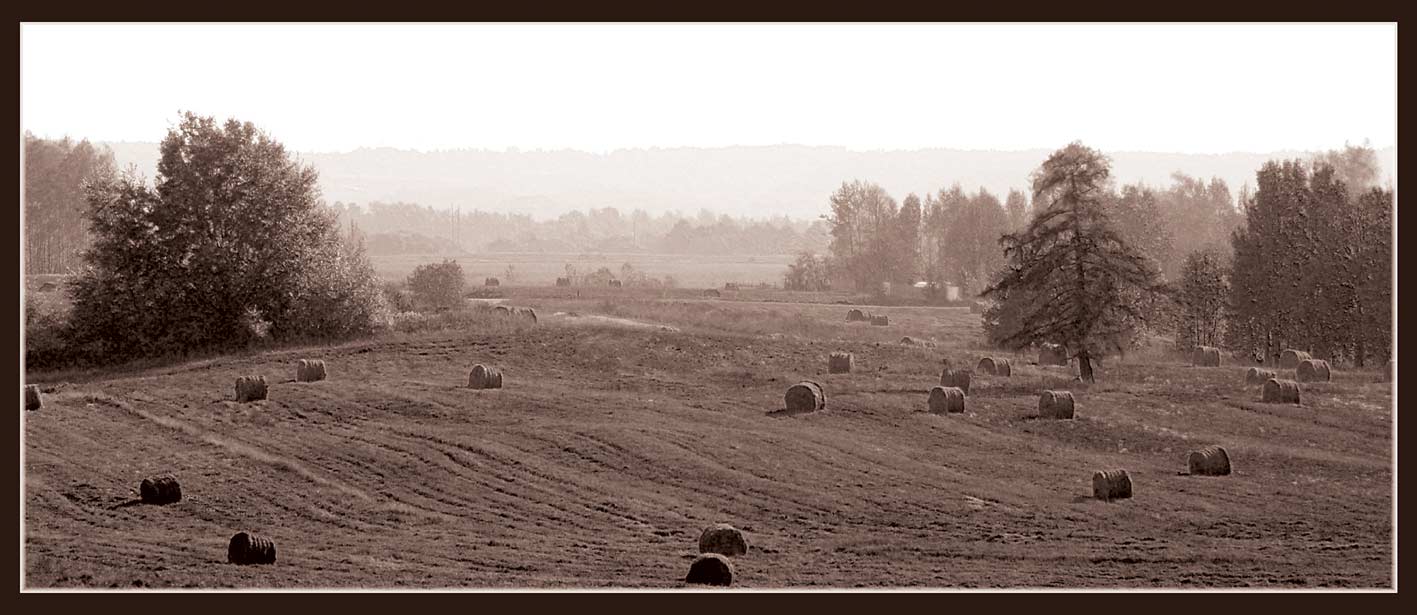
{"points": [[791, 180]]}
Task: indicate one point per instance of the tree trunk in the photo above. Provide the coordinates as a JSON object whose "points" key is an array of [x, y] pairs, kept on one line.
{"points": [[1085, 366]]}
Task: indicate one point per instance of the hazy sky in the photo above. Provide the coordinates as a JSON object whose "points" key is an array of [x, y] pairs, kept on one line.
{"points": [[597, 87]]}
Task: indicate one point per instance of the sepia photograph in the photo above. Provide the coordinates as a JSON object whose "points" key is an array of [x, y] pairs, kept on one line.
{"points": [[707, 307]]}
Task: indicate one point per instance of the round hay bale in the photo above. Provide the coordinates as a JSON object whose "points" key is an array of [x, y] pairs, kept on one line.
{"points": [[881, 321], [1313, 370], [946, 400], [310, 370], [987, 366], [1111, 484], [958, 378], [1290, 358], [250, 388], [33, 400], [855, 315], [1003, 367], [250, 549], [484, 377], [1278, 391], [1206, 356], [723, 539], [840, 362], [805, 396], [160, 490], [527, 314], [1209, 461], [502, 310], [907, 340], [1255, 375], [491, 282], [1056, 405], [712, 292], [710, 569]]}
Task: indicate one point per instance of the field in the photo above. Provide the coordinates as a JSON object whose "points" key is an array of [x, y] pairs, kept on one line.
{"points": [[688, 270], [630, 422]]}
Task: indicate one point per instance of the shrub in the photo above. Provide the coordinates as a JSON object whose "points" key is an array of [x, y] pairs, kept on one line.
{"points": [[437, 285]]}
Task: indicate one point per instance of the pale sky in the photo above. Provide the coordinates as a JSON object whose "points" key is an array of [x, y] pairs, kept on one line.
{"points": [[1202, 88]]}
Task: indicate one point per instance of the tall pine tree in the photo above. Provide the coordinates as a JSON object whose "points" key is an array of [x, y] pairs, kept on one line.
{"points": [[1088, 286]]}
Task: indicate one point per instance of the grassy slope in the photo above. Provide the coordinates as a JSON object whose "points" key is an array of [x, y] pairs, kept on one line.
{"points": [[611, 447]]}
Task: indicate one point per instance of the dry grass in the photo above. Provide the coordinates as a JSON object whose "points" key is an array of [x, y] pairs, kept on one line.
{"points": [[624, 443]]}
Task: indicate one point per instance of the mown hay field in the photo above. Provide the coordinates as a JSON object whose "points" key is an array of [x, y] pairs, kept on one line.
{"points": [[615, 441]]}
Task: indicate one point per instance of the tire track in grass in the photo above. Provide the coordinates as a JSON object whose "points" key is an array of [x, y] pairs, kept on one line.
{"points": [[243, 449]]}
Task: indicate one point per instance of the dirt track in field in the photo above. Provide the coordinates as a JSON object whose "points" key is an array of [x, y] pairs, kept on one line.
{"points": [[611, 447]]}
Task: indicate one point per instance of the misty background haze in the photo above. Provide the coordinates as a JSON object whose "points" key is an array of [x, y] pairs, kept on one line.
{"points": [[758, 182]]}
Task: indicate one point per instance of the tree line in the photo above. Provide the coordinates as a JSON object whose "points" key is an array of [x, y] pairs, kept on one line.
{"points": [[1302, 261], [952, 236], [56, 233], [410, 228], [1312, 265]]}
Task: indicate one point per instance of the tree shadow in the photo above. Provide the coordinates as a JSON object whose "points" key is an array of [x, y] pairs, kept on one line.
{"points": [[788, 412]]}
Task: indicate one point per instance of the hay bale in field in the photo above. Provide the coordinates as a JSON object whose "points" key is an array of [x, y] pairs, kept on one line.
{"points": [[1206, 356], [160, 490], [805, 396], [1209, 461], [840, 362], [310, 370], [33, 400], [881, 321], [723, 539], [908, 341], [491, 282], [502, 310], [855, 315], [995, 367], [1111, 485], [250, 388], [1278, 391], [946, 400], [484, 377], [710, 569], [527, 314], [1313, 370], [250, 549], [1056, 405], [1255, 375], [1052, 354], [958, 378], [1290, 358], [712, 292]]}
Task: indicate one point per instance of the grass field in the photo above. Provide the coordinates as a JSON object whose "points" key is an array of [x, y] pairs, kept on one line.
{"points": [[688, 270], [616, 440]]}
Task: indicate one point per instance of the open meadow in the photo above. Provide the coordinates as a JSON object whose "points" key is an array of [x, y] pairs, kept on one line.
{"points": [[687, 270], [628, 424]]}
